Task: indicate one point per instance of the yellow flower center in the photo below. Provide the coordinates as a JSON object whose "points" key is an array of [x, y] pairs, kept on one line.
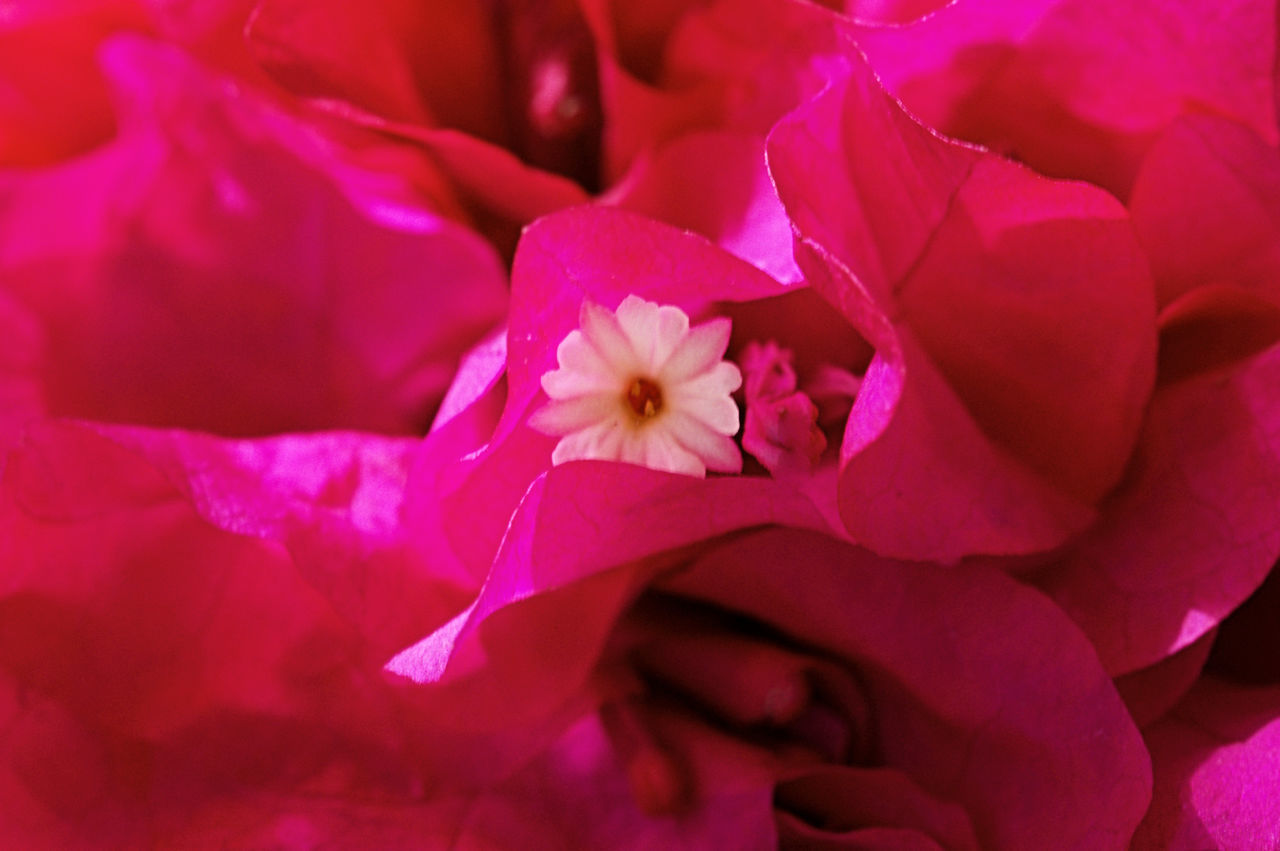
{"points": [[644, 397]]}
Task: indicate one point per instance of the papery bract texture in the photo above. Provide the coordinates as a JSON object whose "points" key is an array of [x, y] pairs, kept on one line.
{"points": [[219, 266], [1075, 90], [1216, 759], [187, 633], [56, 100], [958, 727], [1013, 319], [597, 254], [1192, 532]]}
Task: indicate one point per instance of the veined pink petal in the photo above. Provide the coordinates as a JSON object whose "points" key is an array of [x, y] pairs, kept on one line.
{"points": [[1076, 91], [1216, 760], [1192, 532], [306, 299], [974, 273]]}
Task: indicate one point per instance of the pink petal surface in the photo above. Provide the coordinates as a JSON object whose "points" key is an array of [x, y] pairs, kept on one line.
{"points": [[219, 267], [717, 184], [599, 254], [1002, 734], [1217, 765], [969, 275], [1079, 91], [575, 544], [1192, 531], [150, 660], [1206, 206], [333, 501], [55, 102], [1151, 692], [982, 692], [574, 795]]}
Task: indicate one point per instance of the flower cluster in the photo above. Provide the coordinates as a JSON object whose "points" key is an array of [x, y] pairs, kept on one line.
{"points": [[590, 424]]}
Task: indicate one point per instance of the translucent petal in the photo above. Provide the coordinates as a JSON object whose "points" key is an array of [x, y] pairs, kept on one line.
{"points": [[718, 381], [701, 348], [655, 331], [565, 384], [600, 328], [717, 451], [664, 453], [565, 416], [597, 442], [718, 413]]}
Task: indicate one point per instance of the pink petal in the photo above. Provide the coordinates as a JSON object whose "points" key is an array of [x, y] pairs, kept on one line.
{"points": [[332, 500], [858, 806], [307, 301], [567, 568], [983, 693], [1075, 91], [149, 657], [1192, 532], [596, 254], [1206, 206], [1217, 766], [56, 103], [716, 184], [1151, 692], [1033, 354]]}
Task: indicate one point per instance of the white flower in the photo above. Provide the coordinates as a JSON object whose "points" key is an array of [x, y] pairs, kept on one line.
{"points": [[641, 386]]}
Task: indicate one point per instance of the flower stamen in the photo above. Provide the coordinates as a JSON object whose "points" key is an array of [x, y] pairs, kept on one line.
{"points": [[645, 398]]}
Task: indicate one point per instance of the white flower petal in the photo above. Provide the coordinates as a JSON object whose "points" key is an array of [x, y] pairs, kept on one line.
{"points": [[717, 382], [664, 453], [655, 330], [720, 414], [717, 451], [600, 328], [582, 369], [649, 350], [701, 348], [565, 416], [597, 442]]}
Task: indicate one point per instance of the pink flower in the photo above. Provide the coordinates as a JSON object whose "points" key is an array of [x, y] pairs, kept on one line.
{"points": [[190, 636], [763, 687]]}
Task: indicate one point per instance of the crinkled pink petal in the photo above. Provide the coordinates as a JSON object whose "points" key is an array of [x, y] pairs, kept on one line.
{"points": [[982, 692], [1193, 530], [149, 659], [332, 500], [1206, 206], [306, 301], [1075, 90], [570, 563], [717, 184], [1023, 304], [688, 65], [1216, 760], [596, 253]]}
